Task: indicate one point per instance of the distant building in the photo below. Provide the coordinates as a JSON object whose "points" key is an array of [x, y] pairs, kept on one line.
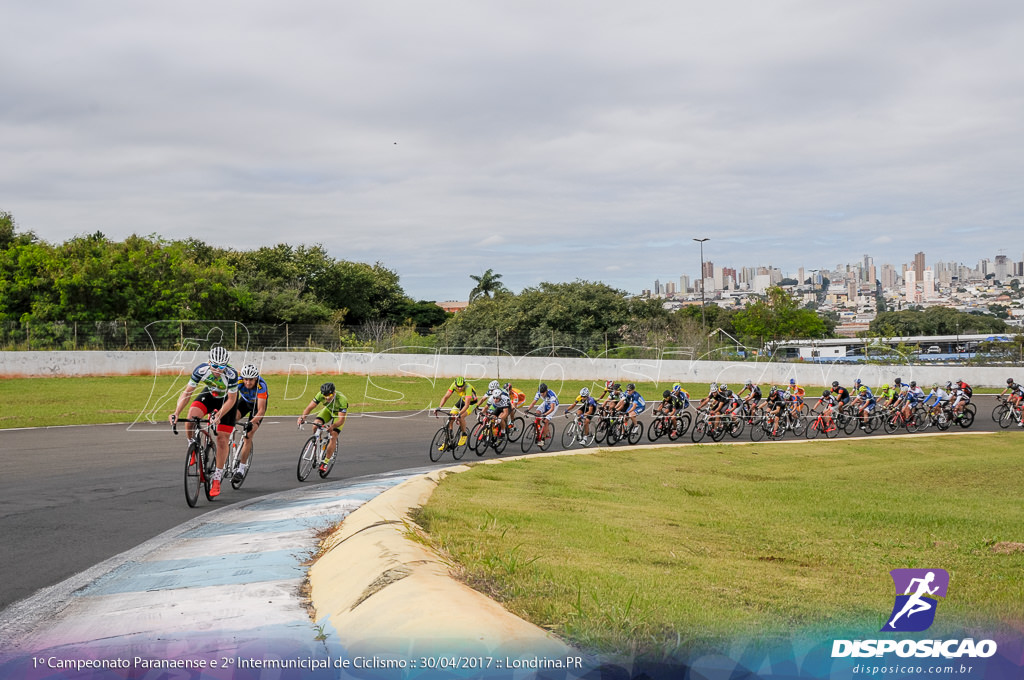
{"points": [[452, 307]]}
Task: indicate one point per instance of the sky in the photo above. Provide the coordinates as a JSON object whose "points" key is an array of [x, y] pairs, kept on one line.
{"points": [[546, 141]]}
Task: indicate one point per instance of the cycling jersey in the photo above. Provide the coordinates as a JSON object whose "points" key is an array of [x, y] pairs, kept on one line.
{"points": [[867, 394], [331, 408], [966, 389], [842, 394], [466, 389], [586, 404], [755, 393], [501, 401], [518, 397], [830, 400], [634, 399], [796, 391], [683, 397], [216, 386], [939, 394], [916, 395], [258, 391], [548, 397]]}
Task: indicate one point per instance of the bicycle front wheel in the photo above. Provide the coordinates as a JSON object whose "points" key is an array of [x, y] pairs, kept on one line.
{"points": [[193, 475], [569, 436], [529, 438], [635, 433], [438, 445], [700, 428], [307, 459], [547, 435], [516, 427], [241, 480]]}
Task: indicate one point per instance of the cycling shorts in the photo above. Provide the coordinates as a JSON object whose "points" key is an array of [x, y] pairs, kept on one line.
{"points": [[327, 416], [207, 403]]}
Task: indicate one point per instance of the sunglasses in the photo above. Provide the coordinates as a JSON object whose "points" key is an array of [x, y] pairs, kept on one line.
{"points": [[218, 367]]}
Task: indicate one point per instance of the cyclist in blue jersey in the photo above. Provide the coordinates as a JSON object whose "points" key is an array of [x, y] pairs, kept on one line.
{"points": [[866, 401], [632, 404], [253, 397], [548, 399], [586, 405], [218, 390]]}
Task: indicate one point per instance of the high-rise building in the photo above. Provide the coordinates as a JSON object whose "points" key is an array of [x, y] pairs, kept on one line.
{"points": [[670, 288], [684, 284], [888, 276], [910, 282], [928, 284], [919, 266], [657, 287], [1002, 268], [709, 270]]}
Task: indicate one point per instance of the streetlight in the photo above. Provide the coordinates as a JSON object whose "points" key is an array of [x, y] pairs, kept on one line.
{"points": [[703, 322]]}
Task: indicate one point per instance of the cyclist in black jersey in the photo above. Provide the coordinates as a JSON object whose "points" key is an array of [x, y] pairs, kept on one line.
{"points": [[253, 397]]}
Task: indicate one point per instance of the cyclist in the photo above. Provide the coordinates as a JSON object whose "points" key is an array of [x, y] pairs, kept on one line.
{"points": [[721, 403], [499, 403], [887, 395], [796, 396], [611, 404], [774, 405], [753, 400], [610, 386], [712, 393], [218, 390], [330, 406], [587, 406], [830, 401], [681, 395], [1016, 392], [632, 405], [866, 399], [253, 397], [940, 395], [962, 393], [548, 406], [517, 396], [467, 402], [842, 394]]}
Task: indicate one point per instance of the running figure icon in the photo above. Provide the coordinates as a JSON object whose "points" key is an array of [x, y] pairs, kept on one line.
{"points": [[920, 590]]}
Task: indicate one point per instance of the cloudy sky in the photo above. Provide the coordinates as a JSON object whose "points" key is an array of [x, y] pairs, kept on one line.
{"points": [[545, 140]]}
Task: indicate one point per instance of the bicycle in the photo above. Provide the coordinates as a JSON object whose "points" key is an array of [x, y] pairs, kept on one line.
{"points": [[447, 438], [823, 423], [895, 420], [1011, 414], [313, 453], [238, 436], [540, 432], [488, 432], [573, 432], [200, 460]]}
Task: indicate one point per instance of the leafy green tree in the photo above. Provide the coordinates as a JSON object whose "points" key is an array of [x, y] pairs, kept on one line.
{"points": [[934, 321], [778, 317]]}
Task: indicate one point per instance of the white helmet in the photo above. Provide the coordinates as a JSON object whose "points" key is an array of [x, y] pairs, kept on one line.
{"points": [[494, 385], [249, 371], [495, 393], [714, 387], [219, 355], [585, 392]]}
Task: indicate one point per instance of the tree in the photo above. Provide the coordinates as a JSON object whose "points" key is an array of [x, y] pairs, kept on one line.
{"points": [[487, 286], [778, 317]]}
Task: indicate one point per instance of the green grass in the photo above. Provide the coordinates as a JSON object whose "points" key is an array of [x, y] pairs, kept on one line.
{"points": [[653, 550], [35, 402]]}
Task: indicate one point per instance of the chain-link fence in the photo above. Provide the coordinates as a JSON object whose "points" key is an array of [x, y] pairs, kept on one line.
{"points": [[173, 335]]}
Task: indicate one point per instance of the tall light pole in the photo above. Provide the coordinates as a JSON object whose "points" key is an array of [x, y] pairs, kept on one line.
{"points": [[703, 322]]}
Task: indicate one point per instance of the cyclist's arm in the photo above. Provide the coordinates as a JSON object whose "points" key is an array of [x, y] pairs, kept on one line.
{"points": [[445, 398], [261, 410], [306, 411], [186, 394]]}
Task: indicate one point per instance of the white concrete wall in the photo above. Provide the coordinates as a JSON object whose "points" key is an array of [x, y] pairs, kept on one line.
{"points": [[69, 364]]}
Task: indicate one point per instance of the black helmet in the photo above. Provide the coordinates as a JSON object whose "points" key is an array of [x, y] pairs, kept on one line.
{"points": [[630, 387], [1009, 381], [667, 393], [898, 381], [825, 394], [327, 389], [543, 387], [913, 383], [835, 384]]}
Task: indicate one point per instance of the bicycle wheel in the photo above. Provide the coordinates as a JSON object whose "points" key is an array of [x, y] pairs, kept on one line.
{"points": [[529, 438], [966, 418], [324, 471], [458, 450], [718, 432], [439, 444], [700, 429], [757, 431], [252, 454], [601, 430], [193, 474], [682, 425], [516, 427], [210, 465], [798, 424], [814, 428], [307, 459], [569, 435], [635, 432], [1006, 418], [656, 428], [499, 442], [917, 416], [547, 436], [736, 429], [478, 439]]}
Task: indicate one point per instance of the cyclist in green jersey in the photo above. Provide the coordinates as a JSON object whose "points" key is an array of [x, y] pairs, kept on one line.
{"points": [[331, 406], [467, 402]]}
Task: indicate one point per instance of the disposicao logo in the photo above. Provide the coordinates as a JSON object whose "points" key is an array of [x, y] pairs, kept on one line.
{"points": [[917, 591], [914, 610]]}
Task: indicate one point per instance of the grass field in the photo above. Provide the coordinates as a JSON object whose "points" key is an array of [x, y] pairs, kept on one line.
{"points": [[654, 550], [36, 402]]}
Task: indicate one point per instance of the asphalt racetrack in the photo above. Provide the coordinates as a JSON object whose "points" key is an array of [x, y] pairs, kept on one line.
{"points": [[71, 497]]}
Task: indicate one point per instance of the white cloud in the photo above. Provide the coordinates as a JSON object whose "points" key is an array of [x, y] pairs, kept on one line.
{"points": [[589, 135]]}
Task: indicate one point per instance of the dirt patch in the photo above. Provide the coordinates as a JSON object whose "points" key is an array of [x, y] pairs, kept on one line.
{"points": [[1007, 548]]}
